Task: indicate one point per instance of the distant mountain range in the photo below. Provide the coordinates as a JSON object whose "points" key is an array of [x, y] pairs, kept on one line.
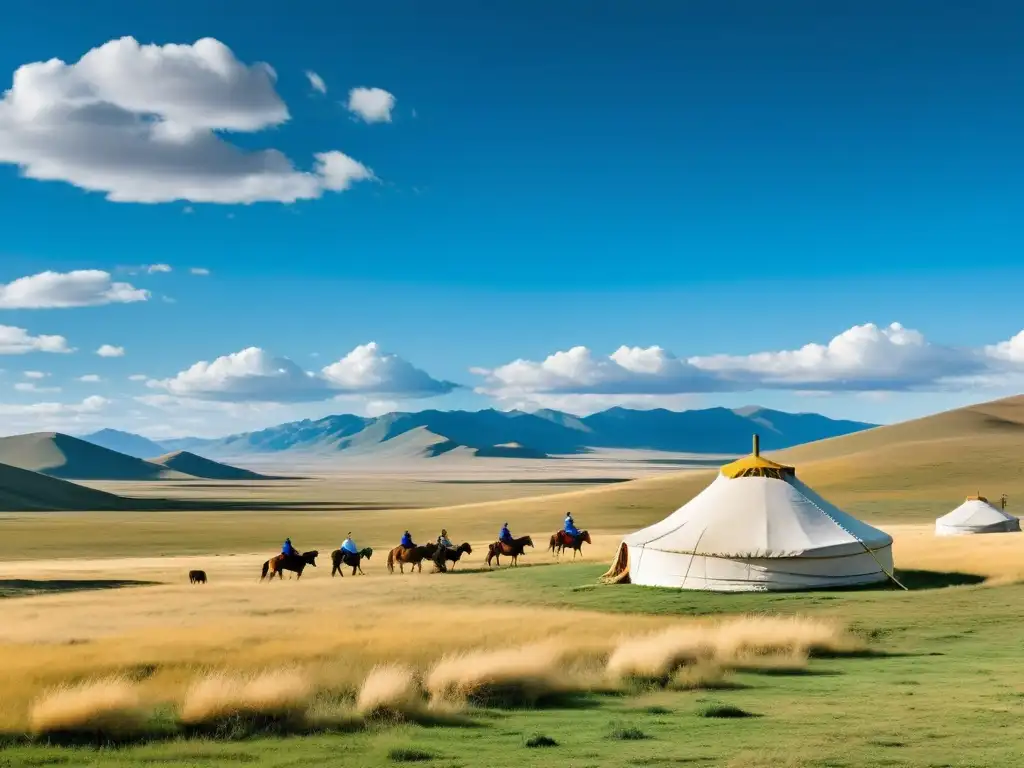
{"points": [[512, 434], [70, 458]]}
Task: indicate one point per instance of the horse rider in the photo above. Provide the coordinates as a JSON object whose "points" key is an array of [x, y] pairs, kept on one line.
{"points": [[569, 526], [443, 545], [407, 541], [288, 549], [348, 546], [505, 536]]}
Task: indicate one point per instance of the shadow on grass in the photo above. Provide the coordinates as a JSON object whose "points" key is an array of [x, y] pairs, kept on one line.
{"points": [[27, 587], [916, 579]]}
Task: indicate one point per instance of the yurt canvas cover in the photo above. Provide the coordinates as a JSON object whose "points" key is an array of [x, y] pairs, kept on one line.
{"points": [[976, 515], [755, 528]]}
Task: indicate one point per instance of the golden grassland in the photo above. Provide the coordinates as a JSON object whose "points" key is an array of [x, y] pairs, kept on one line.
{"points": [[84, 649]]}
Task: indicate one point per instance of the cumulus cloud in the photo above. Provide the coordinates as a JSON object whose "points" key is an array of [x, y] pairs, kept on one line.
{"points": [[144, 124], [255, 375], [316, 82], [627, 371], [863, 359], [371, 105], [154, 268], [138, 377], [200, 271], [18, 341], [63, 290], [90, 378], [34, 374], [51, 416], [31, 386], [109, 350]]}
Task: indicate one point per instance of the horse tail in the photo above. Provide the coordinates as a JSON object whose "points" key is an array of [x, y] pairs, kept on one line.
{"points": [[266, 567], [391, 561]]}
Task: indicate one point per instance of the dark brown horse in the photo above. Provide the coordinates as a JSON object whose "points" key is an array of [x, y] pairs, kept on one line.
{"points": [[351, 559], [276, 566], [454, 554], [562, 540], [513, 550], [411, 556], [197, 577]]}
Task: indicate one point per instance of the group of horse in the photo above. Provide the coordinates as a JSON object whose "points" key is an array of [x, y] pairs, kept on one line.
{"points": [[414, 556]]}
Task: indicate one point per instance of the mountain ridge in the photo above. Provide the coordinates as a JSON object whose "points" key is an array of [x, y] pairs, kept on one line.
{"points": [[536, 435]]}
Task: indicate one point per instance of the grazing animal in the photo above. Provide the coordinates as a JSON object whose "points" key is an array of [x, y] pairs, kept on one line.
{"points": [[562, 541], [454, 554], [340, 557], [197, 577], [276, 566], [412, 556], [513, 550]]}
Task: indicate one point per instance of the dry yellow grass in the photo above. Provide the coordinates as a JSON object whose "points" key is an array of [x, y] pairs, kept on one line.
{"points": [[390, 690], [111, 707], [275, 693], [743, 643]]}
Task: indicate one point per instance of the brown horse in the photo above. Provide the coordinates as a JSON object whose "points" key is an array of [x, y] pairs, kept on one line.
{"points": [[562, 540], [513, 550], [411, 556], [340, 558], [197, 577], [453, 555], [276, 566]]}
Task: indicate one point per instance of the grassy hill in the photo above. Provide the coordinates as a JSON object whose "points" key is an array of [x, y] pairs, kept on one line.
{"points": [[912, 471], [23, 491], [190, 464], [70, 458]]}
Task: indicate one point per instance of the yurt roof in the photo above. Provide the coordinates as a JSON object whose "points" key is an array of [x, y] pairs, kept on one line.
{"points": [[756, 465]]}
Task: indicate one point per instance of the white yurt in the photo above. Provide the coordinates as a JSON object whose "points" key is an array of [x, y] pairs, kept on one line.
{"points": [[755, 528], [976, 515]]}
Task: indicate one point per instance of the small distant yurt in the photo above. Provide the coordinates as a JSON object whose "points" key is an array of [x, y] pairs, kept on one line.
{"points": [[976, 515], [755, 528]]}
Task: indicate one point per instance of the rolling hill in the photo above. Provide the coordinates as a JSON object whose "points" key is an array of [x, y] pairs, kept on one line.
{"points": [[908, 472], [63, 456], [523, 435], [25, 491], [125, 442], [192, 465]]}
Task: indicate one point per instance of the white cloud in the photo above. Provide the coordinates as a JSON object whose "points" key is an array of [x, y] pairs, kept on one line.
{"points": [[154, 268], [61, 290], [31, 386], [372, 105], [200, 271], [90, 378], [18, 341], [865, 358], [316, 82], [138, 377], [627, 371], [254, 375], [34, 374], [109, 350], [145, 124], [17, 418]]}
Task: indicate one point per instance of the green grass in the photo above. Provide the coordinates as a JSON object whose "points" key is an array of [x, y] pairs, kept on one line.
{"points": [[946, 689]]}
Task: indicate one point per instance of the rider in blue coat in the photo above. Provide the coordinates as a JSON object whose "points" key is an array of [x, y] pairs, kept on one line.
{"points": [[288, 549], [505, 537], [348, 545], [570, 525], [407, 540]]}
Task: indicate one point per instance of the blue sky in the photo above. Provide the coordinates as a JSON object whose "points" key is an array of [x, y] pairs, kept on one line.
{"points": [[720, 180]]}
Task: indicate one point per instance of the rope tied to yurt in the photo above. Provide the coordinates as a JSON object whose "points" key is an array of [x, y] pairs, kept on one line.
{"points": [[848, 532]]}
